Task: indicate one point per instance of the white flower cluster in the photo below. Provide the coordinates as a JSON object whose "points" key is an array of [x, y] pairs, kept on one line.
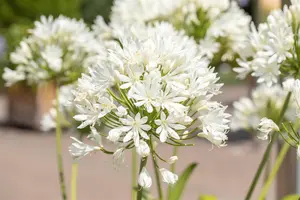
{"points": [[274, 47], [56, 49], [151, 87], [220, 27], [264, 102]]}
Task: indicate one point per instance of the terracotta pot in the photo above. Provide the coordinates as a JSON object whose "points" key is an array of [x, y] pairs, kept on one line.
{"points": [[27, 105]]}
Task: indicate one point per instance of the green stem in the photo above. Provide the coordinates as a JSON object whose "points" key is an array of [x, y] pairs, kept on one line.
{"points": [[74, 181], [268, 150], [139, 195], [172, 167], [274, 171], [133, 175], [156, 171], [59, 149]]}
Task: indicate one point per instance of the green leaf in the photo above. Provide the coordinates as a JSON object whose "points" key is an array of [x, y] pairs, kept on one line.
{"points": [[178, 188], [207, 197], [291, 197]]}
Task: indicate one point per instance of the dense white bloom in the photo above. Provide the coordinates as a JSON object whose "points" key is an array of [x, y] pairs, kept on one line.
{"points": [[56, 49], [152, 87], [288, 84], [168, 177], [144, 179], [209, 22], [12, 76], [272, 48], [215, 124], [78, 149], [265, 127]]}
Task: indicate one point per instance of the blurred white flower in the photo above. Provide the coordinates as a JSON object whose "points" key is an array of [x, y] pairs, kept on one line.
{"points": [[265, 127], [55, 49], [209, 22], [172, 159], [264, 102]]}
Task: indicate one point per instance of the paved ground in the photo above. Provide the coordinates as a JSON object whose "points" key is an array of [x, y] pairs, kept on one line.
{"points": [[28, 169]]}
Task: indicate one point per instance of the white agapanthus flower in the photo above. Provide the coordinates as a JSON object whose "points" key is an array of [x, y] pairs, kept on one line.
{"points": [[265, 127], [153, 88], [218, 26], [264, 102], [55, 49], [145, 179], [79, 149], [273, 48], [168, 177]]}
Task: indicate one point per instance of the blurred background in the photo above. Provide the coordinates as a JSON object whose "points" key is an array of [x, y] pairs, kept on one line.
{"points": [[28, 162]]}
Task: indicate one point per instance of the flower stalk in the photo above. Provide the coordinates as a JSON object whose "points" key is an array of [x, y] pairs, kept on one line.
{"points": [[133, 175], [268, 150], [59, 149], [74, 180], [274, 170], [156, 171], [173, 165]]}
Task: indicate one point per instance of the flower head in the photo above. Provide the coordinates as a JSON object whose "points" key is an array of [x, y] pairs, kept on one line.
{"points": [[55, 49], [273, 47], [167, 100], [214, 24]]}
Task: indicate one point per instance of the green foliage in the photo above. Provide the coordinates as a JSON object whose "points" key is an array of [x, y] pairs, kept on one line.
{"points": [[177, 189], [291, 197], [20, 11], [198, 30], [91, 8]]}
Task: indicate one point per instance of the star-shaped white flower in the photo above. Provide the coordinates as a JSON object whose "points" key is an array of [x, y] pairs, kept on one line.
{"points": [[135, 128], [167, 127]]}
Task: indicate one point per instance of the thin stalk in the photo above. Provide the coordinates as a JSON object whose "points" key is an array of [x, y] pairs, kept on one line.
{"points": [[74, 181], [268, 150], [59, 149], [172, 167], [274, 171], [133, 175], [139, 195], [156, 171]]}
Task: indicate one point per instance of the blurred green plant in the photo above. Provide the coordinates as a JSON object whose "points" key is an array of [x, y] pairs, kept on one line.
{"points": [[91, 8], [291, 197]]}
